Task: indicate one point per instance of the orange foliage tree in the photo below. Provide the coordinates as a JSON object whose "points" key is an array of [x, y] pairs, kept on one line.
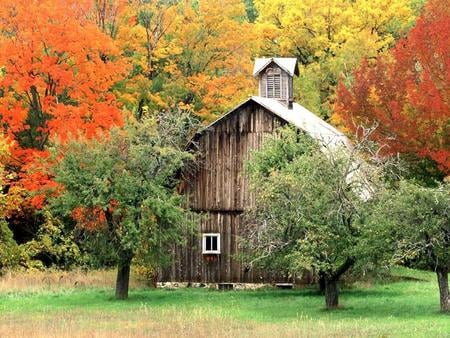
{"points": [[406, 94], [56, 73]]}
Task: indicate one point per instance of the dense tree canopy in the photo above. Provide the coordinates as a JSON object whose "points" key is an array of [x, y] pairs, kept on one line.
{"points": [[406, 93], [330, 38], [412, 223], [68, 67], [195, 55], [57, 70], [308, 209], [124, 188]]}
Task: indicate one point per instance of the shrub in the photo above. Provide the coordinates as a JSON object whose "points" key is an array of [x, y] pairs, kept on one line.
{"points": [[51, 247], [9, 250]]}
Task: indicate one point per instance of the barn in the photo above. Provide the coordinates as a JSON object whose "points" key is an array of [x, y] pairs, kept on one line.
{"points": [[217, 187]]}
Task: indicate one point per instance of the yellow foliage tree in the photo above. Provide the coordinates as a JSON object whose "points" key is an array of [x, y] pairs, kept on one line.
{"points": [[329, 38], [217, 43], [11, 196], [143, 34], [194, 55]]}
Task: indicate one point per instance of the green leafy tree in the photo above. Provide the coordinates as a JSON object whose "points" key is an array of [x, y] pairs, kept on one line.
{"points": [[309, 199], [412, 222], [122, 186]]}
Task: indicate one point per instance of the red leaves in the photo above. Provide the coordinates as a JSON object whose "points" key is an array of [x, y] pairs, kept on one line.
{"points": [[407, 92], [89, 218]]}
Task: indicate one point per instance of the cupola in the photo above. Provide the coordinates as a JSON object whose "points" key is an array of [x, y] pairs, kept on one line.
{"points": [[275, 77]]}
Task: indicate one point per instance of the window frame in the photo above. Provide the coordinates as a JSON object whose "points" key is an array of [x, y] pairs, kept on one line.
{"points": [[210, 252]]}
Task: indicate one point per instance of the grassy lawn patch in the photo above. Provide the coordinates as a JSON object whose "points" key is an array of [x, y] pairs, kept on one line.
{"points": [[404, 308]]}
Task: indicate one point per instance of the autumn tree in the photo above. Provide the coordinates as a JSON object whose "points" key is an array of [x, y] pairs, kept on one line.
{"points": [[217, 43], [57, 72], [9, 250], [194, 55], [123, 187], [329, 38], [145, 38], [406, 94], [11, 196]]}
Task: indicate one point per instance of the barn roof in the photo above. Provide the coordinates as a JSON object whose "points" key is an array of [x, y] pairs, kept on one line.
{"points": [[300, 117], [287, 64], [305, 120], [327, 135]]}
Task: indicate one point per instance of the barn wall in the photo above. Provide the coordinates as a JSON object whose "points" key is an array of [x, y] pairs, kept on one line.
{"points": [[219, 183], [218, 188], [190, 265]]}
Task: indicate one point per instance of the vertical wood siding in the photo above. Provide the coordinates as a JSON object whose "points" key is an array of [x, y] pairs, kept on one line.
{"points": [[219, 183], [218, 188], [192, 266]]}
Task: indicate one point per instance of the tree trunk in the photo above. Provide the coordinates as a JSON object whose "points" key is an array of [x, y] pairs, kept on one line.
{"points": [[321, 283], [123, 276], [331, 293], [442, 276]]}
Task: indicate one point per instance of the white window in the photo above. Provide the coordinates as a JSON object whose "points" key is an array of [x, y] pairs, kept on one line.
{"points": [[274, 86], [211, 243]]}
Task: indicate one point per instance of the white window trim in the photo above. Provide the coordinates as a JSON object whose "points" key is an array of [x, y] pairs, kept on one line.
{"points": [[207, 252]]}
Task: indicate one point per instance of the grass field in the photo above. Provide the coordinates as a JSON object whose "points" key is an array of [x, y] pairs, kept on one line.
{"points": [[407, 307]]}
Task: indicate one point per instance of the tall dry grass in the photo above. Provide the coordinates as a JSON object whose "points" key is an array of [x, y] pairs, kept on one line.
{"points": [[51, 280], [147, 322]]}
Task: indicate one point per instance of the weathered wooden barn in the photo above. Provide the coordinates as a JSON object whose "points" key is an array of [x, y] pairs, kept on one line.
{"points": [[218, 187]]}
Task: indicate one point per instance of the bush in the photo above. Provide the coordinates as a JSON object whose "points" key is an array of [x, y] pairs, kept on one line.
{"points": [[9, 250], [51, 247]]}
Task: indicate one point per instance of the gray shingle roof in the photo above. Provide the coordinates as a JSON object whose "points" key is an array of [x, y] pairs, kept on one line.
{"points": [[287, 64]]}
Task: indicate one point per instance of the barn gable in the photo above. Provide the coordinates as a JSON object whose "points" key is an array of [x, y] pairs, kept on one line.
{"points": [[219, 183], [298, 116], [289, 65]]}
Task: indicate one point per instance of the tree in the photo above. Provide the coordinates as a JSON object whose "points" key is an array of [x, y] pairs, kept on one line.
{"points": [[192, 55], [57, 71], [105, 14], [329, 38], [9, 250], [406, 93], [217, 44], [123, 187], [145, 38], [412, 223], [11, 197], [309, 200]]}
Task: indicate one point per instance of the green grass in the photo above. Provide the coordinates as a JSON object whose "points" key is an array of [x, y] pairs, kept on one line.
{"points": [[405, 308]]}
